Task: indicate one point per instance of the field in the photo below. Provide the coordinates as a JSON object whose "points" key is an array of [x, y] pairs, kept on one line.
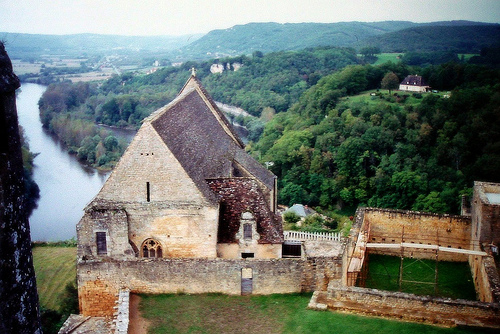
{"points": [[55, 267], [385, 57], [211, 313], [454, 278]]}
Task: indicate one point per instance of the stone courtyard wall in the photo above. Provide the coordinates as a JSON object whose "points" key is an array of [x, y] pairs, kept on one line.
{"points": [[410, 307], [396, 226], [100, 281], [486, 278]]}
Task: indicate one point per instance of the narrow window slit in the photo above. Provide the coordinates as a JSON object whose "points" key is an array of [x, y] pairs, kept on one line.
{"points": [[148, 192]]}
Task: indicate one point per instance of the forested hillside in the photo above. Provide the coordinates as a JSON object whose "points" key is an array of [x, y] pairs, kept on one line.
{"points": [[454, 38], [275, 81], [401, 150], [272, 37], [332, 143], [388, 36]]}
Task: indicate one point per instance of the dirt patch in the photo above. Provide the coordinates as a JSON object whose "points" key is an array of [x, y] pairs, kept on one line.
{"points": [[137, 324]]}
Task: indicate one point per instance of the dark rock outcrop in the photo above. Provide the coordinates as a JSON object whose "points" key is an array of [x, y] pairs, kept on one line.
{"points": [[19, 310]]}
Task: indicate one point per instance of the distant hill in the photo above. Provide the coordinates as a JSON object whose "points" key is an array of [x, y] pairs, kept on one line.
{"points": [[390, 36], [28, 45], [455, 36], [270, 37]]}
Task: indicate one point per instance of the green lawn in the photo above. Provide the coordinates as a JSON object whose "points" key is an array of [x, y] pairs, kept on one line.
{"points": [[385, 57], [454, 278], [213, 313], [55, 267]]}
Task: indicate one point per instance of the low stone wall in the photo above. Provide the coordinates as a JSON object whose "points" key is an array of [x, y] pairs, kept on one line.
{"points": [[121, 316], [486, 278], [410, 307], [100, 281]]}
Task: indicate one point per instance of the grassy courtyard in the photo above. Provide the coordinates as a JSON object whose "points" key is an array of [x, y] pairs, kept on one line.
{"points": [[454, 279], [213, 313]]}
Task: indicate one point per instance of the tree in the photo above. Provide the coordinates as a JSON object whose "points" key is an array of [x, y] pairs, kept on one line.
{"points": [[390, 81], [369, 53]]}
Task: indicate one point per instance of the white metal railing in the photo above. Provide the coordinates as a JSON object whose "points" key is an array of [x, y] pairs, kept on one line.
{"points": [[297, 235]]}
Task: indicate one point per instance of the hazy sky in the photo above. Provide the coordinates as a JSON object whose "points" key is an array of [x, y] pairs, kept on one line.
{"points": [[174, 17]]}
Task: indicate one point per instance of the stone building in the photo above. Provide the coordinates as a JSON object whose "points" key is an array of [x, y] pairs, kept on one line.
{"points": [[184, 188], [185, 209], [413, 83], [486, 216]]}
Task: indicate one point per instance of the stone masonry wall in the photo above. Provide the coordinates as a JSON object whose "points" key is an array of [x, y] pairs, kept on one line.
{"points": [[410, 307], [395, 226], [485, 215], [486, 278], [100, 281]]}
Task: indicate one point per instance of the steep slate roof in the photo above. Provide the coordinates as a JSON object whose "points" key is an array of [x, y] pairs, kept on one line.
{"points": [[202, 139], [300, 210], [413, 80]]}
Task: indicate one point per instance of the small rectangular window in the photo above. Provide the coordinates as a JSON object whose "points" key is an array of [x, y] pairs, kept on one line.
{"points": [[247, 255], [247, 231], [291, 250], [100, 238], [148, 192]]}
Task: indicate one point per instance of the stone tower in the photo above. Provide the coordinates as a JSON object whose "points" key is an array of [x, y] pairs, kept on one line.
{"points": [[19, 311]]}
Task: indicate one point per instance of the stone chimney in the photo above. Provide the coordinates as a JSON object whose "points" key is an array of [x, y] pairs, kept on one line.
{"points": [[19, 310]]}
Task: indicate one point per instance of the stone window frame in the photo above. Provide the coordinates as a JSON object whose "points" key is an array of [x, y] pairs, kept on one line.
{"points": [[153, 247], [247, 218]]}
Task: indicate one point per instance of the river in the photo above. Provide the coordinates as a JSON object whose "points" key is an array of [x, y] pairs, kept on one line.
{"points": [[66, 186]]}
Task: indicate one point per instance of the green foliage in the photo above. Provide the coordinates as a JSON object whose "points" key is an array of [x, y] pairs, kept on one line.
{"points": [[53, 320], [395, 151], [31, 189], [65, 109], [390, 81], [273, 37], [429, 58], [369, 53], [291, 217], [64, 243], [458, 37]]}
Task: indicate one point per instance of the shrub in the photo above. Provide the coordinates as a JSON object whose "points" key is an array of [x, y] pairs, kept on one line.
{"points": [[291, 217]]}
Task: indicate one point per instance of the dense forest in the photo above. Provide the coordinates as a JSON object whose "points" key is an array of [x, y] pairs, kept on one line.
{"points": [[338, 137], [405, 151]]}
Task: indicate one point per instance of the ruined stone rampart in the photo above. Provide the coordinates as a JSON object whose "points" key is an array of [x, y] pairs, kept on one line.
{"points": [[486, 278], [99, 282], [399, 226], [410, 307]]}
